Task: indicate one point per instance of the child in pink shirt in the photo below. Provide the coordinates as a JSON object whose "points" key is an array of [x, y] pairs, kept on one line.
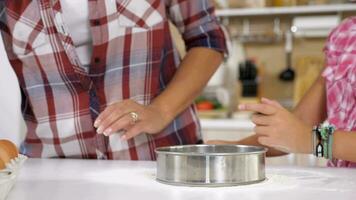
{"points": [[332, 98]]}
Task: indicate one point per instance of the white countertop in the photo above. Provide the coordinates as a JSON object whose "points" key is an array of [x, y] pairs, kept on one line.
{"points": [[106, 180]]}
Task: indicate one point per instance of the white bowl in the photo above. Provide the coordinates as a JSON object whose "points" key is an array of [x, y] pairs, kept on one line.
{"points": [[9, 174]]}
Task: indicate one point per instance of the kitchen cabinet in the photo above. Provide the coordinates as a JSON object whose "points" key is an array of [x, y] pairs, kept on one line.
{"points": [[261, 32], [295, 10], [58, 179]]}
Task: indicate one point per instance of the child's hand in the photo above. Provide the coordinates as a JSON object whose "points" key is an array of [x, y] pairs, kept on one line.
{"points": [[278, 128]]}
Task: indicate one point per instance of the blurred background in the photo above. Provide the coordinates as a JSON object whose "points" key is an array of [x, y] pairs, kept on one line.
{"points": [[276, 51]]}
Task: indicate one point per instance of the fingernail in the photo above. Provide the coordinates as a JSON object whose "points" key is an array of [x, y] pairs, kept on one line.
{"points": [[107, 132], [123, 137], [242, 107], [100, 130], [96, 123]]}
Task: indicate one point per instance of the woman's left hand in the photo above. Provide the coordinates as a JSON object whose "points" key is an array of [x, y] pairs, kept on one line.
{"points": [[118, 117], [278, 128]]}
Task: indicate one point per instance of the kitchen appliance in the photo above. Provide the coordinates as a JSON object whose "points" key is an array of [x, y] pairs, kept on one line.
{"points": [[210, 165], [248, 76]]}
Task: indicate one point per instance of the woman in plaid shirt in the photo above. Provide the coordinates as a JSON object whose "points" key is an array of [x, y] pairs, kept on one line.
{"points": [[132, 93]]}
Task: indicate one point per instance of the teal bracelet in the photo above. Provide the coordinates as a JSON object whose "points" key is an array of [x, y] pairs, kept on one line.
{"points": [[326, 132], [330, 144], [324, 139], [326, 149], [330, 141]]}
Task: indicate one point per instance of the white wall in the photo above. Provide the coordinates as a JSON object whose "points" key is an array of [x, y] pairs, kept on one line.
{"points": [[11, 122]]}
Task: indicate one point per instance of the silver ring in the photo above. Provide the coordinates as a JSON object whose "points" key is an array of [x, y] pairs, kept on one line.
{"points": [[134, 117]]}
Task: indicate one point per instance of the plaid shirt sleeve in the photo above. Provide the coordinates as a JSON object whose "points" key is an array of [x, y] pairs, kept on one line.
{"points": [[197, 23], [2, 15], [4, 30]]}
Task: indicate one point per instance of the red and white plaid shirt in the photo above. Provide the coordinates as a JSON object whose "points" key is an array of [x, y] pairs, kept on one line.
{"points": [[133, 58], [340, 75]]}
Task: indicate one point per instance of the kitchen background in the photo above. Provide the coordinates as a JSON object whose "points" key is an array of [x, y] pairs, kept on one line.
{"points": [[276, 51]]}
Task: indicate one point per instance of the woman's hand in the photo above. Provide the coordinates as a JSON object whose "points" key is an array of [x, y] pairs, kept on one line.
{"points": [[118, 117], [278, 128]]}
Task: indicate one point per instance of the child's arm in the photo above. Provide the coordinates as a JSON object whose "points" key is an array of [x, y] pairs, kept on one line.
{"points": [[311, 110], [278, 128], [344, 145], [312, 107]]}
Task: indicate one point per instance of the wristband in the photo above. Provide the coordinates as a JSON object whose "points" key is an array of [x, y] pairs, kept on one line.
{"points": [[318, 146], [314, 140], [324, 132], [331, 140]]}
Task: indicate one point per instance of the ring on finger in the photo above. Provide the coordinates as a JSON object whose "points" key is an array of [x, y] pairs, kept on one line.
{"points": [[134, 117]]}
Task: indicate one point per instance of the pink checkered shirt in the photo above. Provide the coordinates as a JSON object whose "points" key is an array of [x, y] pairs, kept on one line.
{"points": [[133, 58], [340, 75]]}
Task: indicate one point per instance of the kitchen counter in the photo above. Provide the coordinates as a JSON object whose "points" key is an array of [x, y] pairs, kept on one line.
{"points": [[227, 124], [226, 129], [93, 179]]}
